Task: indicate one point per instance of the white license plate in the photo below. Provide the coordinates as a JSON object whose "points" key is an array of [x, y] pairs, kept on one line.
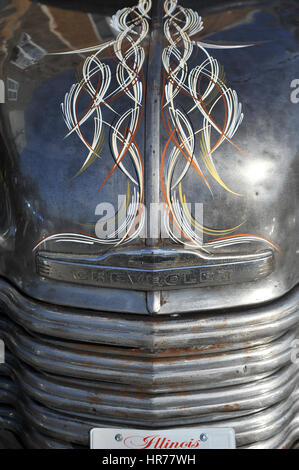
{"points": [[180, 438]]}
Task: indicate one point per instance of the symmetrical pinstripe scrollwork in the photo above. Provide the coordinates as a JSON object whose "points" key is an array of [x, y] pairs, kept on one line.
{"points": [[204, 89], [132, 26], [190, 72]]}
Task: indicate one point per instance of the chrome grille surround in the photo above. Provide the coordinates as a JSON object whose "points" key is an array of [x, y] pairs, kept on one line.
{"points": [[70, 370]]}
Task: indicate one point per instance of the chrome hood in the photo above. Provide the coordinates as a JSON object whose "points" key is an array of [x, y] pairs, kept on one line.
{"points": [[175, 123]]}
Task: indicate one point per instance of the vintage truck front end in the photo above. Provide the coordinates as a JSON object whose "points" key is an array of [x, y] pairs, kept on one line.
{"points": [[149, 219]]}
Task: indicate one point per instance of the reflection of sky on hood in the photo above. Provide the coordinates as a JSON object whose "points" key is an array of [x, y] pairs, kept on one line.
{"points": [[262, 27], [52, 160]]}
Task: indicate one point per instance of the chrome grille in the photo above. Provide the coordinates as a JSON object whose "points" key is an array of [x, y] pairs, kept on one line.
{"points": [[69, 370]]}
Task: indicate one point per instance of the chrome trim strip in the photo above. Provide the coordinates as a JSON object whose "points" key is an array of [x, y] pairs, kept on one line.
{"points": [[155, 270]]}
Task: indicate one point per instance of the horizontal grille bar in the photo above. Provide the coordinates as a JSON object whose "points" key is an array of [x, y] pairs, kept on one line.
{"points": [[199, 330], [137, 408], [160, 373], [274, 427]]}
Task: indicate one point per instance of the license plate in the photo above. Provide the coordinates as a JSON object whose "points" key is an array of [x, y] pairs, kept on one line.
{"points": [[179, 438]]}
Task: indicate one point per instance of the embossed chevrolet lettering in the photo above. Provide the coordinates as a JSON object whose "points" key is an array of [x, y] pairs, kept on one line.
{"points": [[156, 279], [162, 269]]}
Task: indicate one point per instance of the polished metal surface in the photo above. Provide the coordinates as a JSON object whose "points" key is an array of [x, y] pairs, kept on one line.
{"points": [[40, 196]]}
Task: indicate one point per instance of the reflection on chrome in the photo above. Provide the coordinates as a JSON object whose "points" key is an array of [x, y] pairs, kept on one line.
{"points": [[2, 352]]}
